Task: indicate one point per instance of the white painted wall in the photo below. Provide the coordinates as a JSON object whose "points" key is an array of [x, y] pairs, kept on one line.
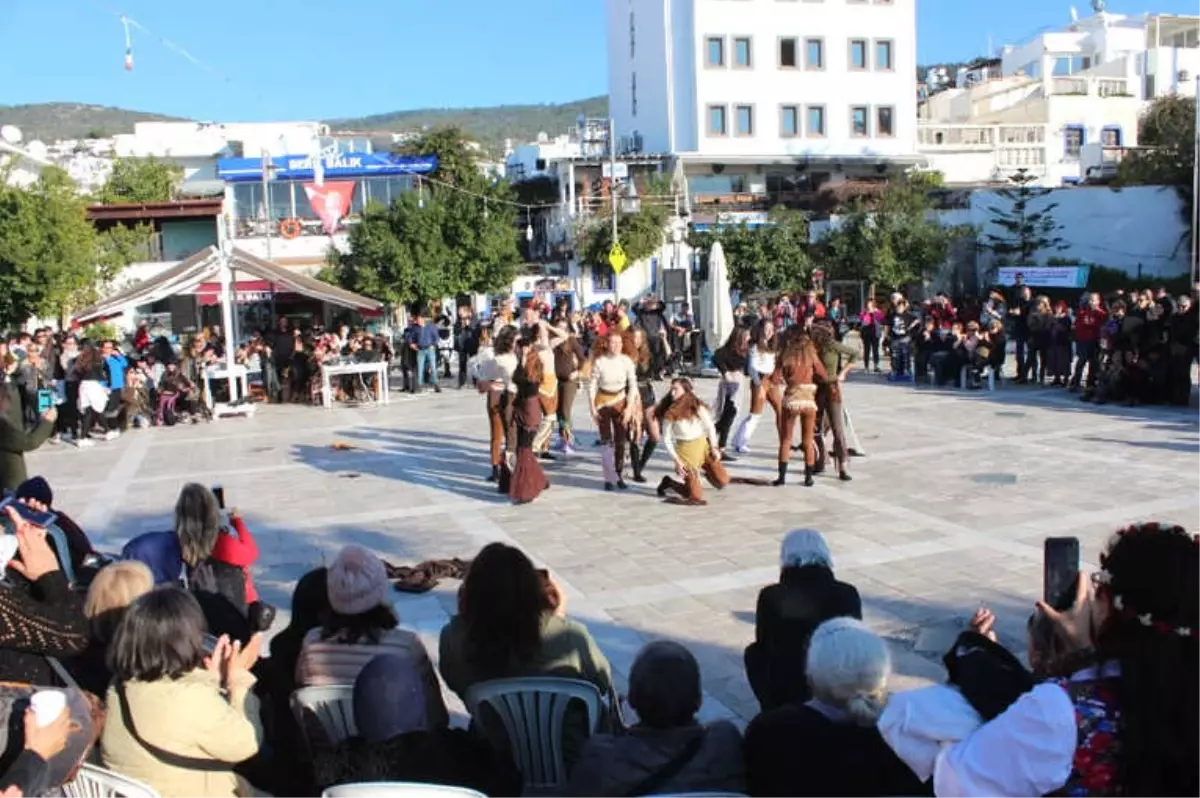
{"points": [[765, 85]]}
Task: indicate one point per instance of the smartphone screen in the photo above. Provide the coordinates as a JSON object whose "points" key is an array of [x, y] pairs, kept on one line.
{"points": [[219, 492], [1060, 570], [31, 515], [45, 400], [210, 644]]}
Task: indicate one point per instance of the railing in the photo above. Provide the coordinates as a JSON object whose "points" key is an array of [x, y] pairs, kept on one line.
{"points": [[1090, 87], [979, 137]]}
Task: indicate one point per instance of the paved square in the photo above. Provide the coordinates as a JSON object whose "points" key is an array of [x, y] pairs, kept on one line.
{"points": [[947, 512]]}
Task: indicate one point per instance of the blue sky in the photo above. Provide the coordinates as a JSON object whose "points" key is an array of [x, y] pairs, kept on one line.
{"points": [[312, 59]]}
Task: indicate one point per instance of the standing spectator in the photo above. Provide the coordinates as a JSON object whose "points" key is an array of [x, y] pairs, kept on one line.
{"points": [[282, 347], [837, 314], [786, 615], [466, 340], [829, 745], [785, 313], [426, 347], [668, 751], [1088, 324], [993, 309], [1019, 310], [15, 441], [169, 696], [651, 319], [1184, 326], [901, 325], [1058, 350], [870, 331], [1040, 321]]}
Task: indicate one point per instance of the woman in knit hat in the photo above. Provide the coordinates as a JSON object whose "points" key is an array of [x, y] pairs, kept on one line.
{"points": [[360, 626]]}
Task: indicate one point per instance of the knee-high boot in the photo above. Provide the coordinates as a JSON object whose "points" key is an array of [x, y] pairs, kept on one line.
{"points": [[725, 422], [745, 432], [641, 458], [782, 480], [608, 463]]}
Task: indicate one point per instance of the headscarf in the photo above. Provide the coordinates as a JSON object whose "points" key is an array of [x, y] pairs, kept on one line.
{"points": [[389, 699]]}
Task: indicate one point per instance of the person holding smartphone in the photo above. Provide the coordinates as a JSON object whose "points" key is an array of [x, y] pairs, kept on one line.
{"points": [[15, 439]]}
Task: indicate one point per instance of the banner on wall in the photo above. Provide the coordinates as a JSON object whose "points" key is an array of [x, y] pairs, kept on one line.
{"points": [[331, 201], [1045, 276]]}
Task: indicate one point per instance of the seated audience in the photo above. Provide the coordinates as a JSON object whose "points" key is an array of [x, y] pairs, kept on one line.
{"points": [[829, 745], [30, 773], [788, 612], [36, 492], [360, 626], [667, 751], [39, 615], [179, 720], [310, 603], [512, 622], [109, 596], [398, 740], [1122, 719]]}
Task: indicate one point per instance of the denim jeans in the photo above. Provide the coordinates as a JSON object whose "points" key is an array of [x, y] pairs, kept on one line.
{"points": [[427, 359]]}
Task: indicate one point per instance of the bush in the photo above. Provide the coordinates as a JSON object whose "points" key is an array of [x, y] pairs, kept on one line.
{"points": [[101, 332]]}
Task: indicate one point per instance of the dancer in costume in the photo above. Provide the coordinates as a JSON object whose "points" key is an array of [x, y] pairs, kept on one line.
{"points": [[612, 400], [764, 388], [730, 361], [837, 358], [800, 369], [568, 359], [546, 340], [528, 479], [690, 436], [496, 382], [645, 419]]}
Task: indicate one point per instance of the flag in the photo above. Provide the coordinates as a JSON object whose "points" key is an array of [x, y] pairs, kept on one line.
{"points": [[330, 201]]}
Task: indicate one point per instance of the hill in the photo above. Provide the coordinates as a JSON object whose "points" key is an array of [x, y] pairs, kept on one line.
{"points": [[489, 126], [53, 121]]}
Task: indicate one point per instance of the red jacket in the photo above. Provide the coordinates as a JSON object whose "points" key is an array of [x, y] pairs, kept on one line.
{"points": [[1088, 324], [240, 551]]}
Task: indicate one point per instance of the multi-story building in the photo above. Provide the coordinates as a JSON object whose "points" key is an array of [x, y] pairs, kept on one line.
{"points": [[765, 101], [1065, 105]]}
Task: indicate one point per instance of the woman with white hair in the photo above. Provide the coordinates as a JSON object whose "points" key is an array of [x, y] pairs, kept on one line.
{"points": [[829, 745], [788, 612]]}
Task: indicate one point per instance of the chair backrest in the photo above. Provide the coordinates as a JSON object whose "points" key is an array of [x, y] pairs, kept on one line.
{"points": [[531, 711], [399, 789], [93, 781], [333, 707]]}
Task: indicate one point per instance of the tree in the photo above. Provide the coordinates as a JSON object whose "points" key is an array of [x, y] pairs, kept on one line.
{"points": [[1168, 129], [769, 257], [1028, 225], [889, 240], [140, 180], [48, 249], [640, 232], [455, 233]]}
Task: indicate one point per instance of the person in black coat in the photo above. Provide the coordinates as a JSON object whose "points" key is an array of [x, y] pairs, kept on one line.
{"points": [[830, 744], [466, 340], [788, 612]]}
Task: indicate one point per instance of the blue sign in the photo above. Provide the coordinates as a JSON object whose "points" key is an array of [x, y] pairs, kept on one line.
{"points": [[346, 164]]}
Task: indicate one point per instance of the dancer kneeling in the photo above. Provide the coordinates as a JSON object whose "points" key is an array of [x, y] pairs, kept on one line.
{"points": [[691, 439]]}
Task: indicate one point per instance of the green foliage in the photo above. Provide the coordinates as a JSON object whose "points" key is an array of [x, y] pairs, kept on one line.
{"points": [[100, 331], [140, 180], [118, 246], [47, 249], [770, 257], [456, 243], [54, 121], [1026, 231], [889, 241], [1168, 126], [640, 233]]}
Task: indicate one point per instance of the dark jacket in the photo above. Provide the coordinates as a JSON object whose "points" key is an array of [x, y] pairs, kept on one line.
{"points": [[796, 750], [38, 620], [785, 618], [620, 764], [15, 440]]}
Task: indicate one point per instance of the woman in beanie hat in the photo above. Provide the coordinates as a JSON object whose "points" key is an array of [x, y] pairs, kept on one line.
{"points": [[360, 626]]}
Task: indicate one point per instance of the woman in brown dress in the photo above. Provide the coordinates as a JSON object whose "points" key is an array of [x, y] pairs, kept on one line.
{"points": [[528, 478], [800, 368]]}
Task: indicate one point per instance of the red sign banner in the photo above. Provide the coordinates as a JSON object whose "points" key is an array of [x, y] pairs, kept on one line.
{"points": [[330, 201]]}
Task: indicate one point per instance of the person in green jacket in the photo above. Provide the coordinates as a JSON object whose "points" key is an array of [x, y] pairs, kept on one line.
{"points": [[15, 440], [837, 359]]}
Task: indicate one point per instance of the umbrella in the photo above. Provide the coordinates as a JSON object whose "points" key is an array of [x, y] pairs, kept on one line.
{"points": [[718, 309]]}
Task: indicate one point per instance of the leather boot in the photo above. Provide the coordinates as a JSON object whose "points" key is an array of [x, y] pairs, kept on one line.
{"points": [[495, 475], [783, 468], [808, 476]]}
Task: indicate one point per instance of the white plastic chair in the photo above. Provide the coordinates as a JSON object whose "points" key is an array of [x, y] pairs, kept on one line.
{"points": [[531, 711], [964, 377], [93, 781], [333, 706], [398, 789]]}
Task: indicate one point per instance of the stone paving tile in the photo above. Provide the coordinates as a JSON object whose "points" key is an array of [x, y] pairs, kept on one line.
{"points": [[949, 511]]}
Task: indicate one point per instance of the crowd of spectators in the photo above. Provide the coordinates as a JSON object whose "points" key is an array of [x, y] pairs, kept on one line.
{"points": [[169, 682]]}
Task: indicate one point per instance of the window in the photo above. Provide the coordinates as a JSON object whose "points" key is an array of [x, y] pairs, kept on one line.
{"points": [[745, 120], [789, 121], [1073, 136], [858, 54], [883, 55], [816, 120], [814, 53], [884, 121], [281, 199], [787, 53], [717, 125], [602, 277], [1110, 136], [714, 51], [859, 124], [741, 52], [633, 93]]}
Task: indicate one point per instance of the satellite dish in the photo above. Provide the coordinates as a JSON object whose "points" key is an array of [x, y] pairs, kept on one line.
{"points": [[11, 134], [37, 149]]}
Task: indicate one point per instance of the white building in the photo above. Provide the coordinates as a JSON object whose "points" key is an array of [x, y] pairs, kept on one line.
{"points": [[1065, 105], [765, 98], [21, 164]]}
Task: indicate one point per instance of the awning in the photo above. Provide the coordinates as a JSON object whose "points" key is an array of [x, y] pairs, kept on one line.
{"points": [[245, 291], [205, 267]]}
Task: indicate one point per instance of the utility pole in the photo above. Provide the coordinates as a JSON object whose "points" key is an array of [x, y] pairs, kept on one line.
{"points": [[612, 181], [267, 166]]}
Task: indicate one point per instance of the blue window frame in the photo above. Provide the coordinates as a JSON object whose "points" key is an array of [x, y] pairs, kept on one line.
{"points": [[1110, 136], [1074, 137]]}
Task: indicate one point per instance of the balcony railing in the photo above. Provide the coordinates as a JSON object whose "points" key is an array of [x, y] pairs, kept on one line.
{"points": [[978, 137], [1090, 87]]}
